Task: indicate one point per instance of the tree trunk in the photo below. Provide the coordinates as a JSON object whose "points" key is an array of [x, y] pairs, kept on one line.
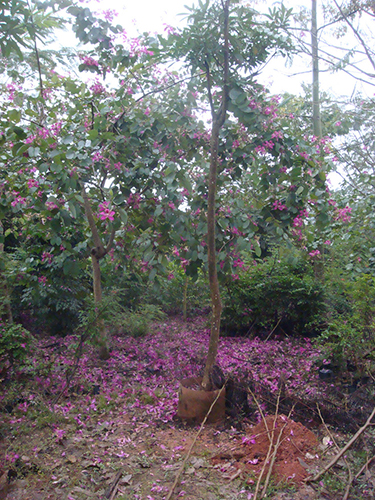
{"points": [[184, 304], [317, 122], [216, 304], [97, 285], [218, 119], [97, 253], [7, 314]]}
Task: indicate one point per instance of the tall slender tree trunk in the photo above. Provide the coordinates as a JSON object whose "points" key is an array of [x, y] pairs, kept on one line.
{"points": [[97, 253], [317, 121], [7, 311], [218, 119], [184, 303], [216, 304]]}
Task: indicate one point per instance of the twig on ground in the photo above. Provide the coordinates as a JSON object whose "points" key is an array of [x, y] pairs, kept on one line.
{"points": [[346, 447], [350, 474], [270, 437], [273, 329], [364, 467], [181, 469], [267, 460], [274, 455], [112, 488]]}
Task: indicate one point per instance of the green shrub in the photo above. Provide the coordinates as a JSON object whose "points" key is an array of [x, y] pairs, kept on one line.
{"points": [[169, 295], [274, 294], [15, 343], [350, 332], [137, 322]]}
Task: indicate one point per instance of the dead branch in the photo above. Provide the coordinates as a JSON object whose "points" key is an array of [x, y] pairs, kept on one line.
{"points": [[364, 467], [270, 437], [346, 447], [271, 446], [112, 488]]}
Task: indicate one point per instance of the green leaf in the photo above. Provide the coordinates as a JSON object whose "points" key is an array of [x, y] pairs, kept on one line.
{"points": [[152, 274], [123, 215], [70, 155], [257, 249], [71, 268], [14, 115], [72, 208]]}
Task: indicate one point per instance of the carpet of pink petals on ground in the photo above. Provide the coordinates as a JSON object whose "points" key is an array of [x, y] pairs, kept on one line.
{"points": [[125, 407]]}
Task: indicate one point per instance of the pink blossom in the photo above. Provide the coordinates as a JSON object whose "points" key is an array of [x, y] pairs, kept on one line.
{"points": [[297, 222], [277, 135], [305, 155], [43, 133], [30, 139], [343, 214], [105, 212], [47, 257], [279, 206], [97, 88], [18, 200], [109, 15], [51, 205], [89, 61], [314, 253], [169, 29], [31, 183], [12, 91], [97, 156]]}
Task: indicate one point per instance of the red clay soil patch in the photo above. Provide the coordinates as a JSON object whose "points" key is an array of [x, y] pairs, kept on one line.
{"points": [[295, 453]]}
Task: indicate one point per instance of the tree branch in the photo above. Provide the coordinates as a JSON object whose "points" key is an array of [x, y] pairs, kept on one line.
{"points": [[357, 34]]}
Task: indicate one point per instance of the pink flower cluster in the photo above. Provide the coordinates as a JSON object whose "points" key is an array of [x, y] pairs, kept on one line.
{"points": [[314, 253], [97, 88], [279, 206], [18, 200], [51, 205], [343, 214], [32, 183], [105, 212], [89, 61]]}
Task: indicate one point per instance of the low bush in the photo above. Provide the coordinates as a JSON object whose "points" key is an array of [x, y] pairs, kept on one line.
{"points": [[177, 288], [15, 343], [275, 296], [350, 334], [137, 322]]}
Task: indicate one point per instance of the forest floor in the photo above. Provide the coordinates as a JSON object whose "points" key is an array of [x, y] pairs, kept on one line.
{"points": [[113, 433]]}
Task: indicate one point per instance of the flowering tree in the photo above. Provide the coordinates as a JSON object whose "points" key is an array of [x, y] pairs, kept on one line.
{"points": [[128, 169], [250, 149], [86, 155]]}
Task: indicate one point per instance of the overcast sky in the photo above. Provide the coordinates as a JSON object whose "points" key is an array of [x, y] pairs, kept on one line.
{"points": [[153, 15]]}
